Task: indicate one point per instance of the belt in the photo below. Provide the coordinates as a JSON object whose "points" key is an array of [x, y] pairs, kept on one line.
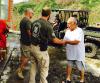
{"points": [[36, 44]]}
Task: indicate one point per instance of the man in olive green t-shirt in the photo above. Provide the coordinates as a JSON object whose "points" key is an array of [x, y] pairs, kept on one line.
{"points": [[42, 33], [25, 41]]}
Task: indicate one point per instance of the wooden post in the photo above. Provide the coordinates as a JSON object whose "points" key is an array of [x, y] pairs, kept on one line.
{"points": [[10, 13], [10, 10]]}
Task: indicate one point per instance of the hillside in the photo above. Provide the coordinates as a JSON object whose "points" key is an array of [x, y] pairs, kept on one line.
{"points": [[91, 5]]}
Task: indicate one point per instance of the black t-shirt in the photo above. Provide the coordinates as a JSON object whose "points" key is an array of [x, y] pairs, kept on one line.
{"points": [[42, 31], [25, 25]]}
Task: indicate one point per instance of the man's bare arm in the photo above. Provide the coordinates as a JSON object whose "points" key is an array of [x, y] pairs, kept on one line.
{"points": [[58, 41], [29, 33], [74, 42]]}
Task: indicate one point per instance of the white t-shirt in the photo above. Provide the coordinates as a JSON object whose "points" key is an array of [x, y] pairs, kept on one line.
{"points": [[75, 52]]}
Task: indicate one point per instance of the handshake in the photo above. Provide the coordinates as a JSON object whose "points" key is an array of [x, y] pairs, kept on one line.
{"points": [[59, 41], [71, 42], [64, 42]]}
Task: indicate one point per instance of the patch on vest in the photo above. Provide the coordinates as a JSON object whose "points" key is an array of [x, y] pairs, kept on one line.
{"points": [[36, 29]]}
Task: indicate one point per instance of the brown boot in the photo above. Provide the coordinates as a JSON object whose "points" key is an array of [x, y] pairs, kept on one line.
{"points": [[20, 73]]}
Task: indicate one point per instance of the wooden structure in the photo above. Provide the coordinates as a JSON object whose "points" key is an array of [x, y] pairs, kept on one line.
{"points": [[10, 10]]}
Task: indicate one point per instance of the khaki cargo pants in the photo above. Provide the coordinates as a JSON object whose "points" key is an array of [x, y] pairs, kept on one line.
{"points": [[41, 61]]}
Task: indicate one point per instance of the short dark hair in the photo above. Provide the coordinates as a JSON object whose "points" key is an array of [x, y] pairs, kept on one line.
{"points": [[46, 11]]}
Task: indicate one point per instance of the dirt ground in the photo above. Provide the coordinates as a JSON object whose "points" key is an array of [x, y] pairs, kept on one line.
{"points": [[57, 71]]}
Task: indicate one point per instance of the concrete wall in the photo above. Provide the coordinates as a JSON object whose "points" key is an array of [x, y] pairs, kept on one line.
{"points": [[3, 9]]}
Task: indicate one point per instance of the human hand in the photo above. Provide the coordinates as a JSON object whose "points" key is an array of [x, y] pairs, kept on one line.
{"points": [[64, 42]]}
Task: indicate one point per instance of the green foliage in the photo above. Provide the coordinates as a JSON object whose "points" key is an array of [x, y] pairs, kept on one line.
{"points": [[91, 5], [21, 7], [50, 3], [39, 6]]}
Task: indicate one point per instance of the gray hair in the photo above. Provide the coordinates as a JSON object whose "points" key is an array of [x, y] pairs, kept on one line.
{"points": [[72, 19]]}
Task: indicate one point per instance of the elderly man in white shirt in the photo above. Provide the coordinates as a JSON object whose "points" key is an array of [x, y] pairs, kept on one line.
{"points": [[75, 49]]}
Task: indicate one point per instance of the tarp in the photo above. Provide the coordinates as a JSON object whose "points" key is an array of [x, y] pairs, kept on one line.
{"points": [[2, 34]]}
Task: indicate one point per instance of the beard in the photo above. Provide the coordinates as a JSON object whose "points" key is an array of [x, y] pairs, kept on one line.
{"points": [[48, 17], [30, 17]]}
